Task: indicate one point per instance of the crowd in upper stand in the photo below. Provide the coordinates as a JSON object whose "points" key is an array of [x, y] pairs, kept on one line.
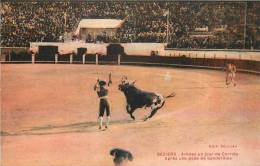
{"points": [[24, 22]]}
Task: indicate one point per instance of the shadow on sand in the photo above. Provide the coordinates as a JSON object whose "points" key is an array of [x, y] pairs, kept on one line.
{"points": [[67, 128]]}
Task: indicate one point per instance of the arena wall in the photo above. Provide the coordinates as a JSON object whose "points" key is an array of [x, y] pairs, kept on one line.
{"points": [[143, 49], [246, 60], [190, 62], [216, 53]]}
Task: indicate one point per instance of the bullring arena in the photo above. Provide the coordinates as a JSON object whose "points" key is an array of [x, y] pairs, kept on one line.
{"points": [[53, 52], [49, 116]]}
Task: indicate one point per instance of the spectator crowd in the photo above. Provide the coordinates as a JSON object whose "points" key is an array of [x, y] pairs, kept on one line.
{"points": [[171, 22]]}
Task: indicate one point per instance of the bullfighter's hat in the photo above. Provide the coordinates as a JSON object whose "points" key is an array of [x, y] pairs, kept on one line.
{"points": [[102, 83]]}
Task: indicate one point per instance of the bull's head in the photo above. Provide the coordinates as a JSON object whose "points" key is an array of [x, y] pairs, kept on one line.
{"points": [[125, 84]]}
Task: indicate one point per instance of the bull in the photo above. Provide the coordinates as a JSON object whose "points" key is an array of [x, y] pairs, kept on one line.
{"points": [[137, 98]]}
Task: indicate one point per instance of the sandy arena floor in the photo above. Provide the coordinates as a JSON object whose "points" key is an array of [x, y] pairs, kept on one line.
{"points": [[49, 117]]}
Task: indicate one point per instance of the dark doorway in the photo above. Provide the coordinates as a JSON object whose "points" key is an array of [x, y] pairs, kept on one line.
{"points": [[113, 50], [78, 56], [47, 53]]}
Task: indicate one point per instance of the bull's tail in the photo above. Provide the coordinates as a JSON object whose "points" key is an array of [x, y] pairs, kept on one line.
{"points": [[162, 104], [170, 95]]}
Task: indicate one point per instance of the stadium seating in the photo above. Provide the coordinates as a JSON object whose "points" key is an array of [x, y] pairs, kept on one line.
{"points": [[24, 22]]}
